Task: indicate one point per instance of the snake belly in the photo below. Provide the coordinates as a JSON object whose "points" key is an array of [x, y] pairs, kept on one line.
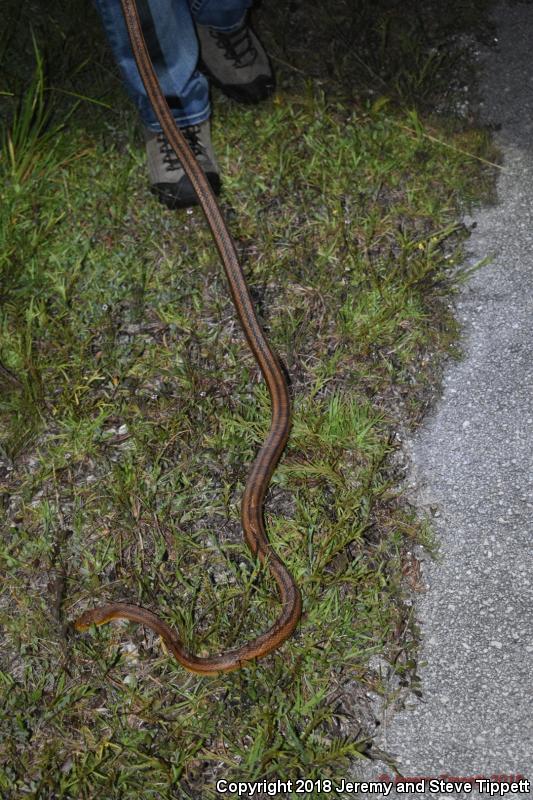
{"points": [[266, 460]]}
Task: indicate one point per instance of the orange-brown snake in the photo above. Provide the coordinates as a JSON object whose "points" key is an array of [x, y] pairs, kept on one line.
{"points": [[271, 450]]}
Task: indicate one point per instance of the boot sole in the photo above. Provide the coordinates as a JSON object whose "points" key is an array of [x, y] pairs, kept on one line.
{"points": [[247, 94], [166, 192]]}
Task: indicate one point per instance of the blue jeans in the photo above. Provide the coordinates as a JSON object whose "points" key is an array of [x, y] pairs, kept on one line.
{"points": [[168, 27]]}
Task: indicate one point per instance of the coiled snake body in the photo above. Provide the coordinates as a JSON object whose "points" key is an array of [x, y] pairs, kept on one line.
{"points": [[269, 454]]}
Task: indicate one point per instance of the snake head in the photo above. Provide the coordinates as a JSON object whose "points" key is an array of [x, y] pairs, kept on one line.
{"points": [[88, 618]]}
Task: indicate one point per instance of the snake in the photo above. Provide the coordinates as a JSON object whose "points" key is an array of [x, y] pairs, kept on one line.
{"points": [[260, 473]]}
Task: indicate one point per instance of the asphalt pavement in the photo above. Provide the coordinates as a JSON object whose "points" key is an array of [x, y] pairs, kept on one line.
{"points": [[474, 461]]}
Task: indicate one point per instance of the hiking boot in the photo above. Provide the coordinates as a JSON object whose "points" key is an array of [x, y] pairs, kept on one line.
{"points": [[237, 63], [167, 177]]}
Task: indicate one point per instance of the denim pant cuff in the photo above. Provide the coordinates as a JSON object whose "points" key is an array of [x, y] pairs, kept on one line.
{"points": [[182, 120], [229, 28]]}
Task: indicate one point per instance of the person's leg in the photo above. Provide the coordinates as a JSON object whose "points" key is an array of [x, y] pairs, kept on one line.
{"points": [[231, 53], [171, 38]]}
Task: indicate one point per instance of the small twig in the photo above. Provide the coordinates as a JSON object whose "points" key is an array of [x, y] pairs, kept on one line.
{"points": [[10, 377], [450, 146], [290, 66]]}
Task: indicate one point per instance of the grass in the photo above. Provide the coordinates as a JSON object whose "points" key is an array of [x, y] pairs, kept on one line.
{"points": [[125, 448]]}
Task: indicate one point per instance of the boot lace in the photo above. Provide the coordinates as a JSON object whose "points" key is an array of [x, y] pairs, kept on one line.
{"points": [[237, 46], [192, 134]]}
